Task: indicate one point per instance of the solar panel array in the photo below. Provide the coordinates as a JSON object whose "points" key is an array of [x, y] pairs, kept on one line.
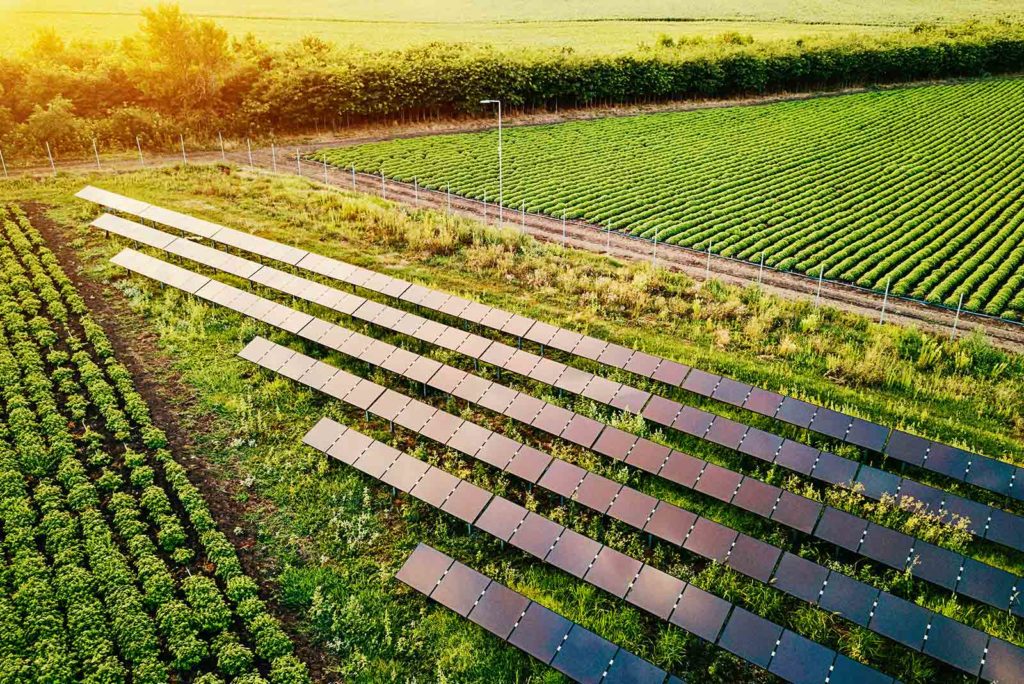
{"points": [[951, 642], [547, 636], [960, 646], [955, 572], [964, 466], [752, 638]]}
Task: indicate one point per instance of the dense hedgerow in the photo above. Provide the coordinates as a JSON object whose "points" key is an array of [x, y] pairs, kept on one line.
{"points": [[82, 469]]}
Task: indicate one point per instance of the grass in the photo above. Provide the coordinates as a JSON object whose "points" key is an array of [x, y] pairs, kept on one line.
{"points": [[869, 188], [336, 537], [592, 27]]}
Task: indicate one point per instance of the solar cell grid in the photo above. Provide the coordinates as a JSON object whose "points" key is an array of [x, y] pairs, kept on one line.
{"points": [[409, 324], [631, 669], [584, 656], [887, 546], [975, 513], [693, 421], [582, 431], [906, 447], [834, 470], [800, 577], [132, 230], [841, 528], [756, 496], [524, 408], [900, 620], [727, 433], [718, 482], [324, 434], [601, 390], [753, 558], [632, 507], [256, 349], [573, 380], [540, 332], [848, 597], [460, 588], [679, 468], [415, 293]]}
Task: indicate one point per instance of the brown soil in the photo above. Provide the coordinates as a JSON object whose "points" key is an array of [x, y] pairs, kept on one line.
{"points": [[169, 399]]}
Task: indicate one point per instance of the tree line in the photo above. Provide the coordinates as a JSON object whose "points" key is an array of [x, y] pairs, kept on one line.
{"points": [[181, 75]]}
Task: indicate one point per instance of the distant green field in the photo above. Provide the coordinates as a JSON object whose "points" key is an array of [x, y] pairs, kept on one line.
{"points": [[917, 187], [515, 24]]}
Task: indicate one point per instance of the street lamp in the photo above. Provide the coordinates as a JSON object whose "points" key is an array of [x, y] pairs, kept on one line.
{"points": [[501, 194]]}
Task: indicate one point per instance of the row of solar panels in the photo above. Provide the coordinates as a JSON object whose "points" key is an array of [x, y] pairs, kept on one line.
{"points": [[547, 636], [982, 471], [950, 570], [857, 601], [752, 638]]}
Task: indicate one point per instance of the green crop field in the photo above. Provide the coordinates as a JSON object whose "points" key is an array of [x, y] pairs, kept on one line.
{"points": [[526, 23], [919, 188]]}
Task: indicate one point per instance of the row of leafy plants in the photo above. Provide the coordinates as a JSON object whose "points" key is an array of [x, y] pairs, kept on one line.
{"points": [[114, 569], [917, 189]]}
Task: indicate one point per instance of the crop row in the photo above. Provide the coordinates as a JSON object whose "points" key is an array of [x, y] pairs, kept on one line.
{"points": [[918, 189], [131, 580]]}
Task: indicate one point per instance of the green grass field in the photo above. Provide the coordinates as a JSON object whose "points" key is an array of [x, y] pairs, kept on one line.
{"points": [[522, 24], [918, 188], [334, 537]]}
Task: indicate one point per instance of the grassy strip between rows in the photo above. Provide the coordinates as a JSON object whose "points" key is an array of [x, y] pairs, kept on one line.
{"points": [[338, 537]]}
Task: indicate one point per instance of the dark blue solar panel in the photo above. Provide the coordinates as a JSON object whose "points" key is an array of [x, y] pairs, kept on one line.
{"points": [[753, 558], [797, 511], [991, 474], [956, 644], [906, 447], [948, 460], [846, 671], [1006, 529], [935, 564], [867, 434], [629, 669], [801, 660], [710, 540], [986, 583], [613, 571], [584, 656], [831, 423], [800, 577], [1004, 662], [573, 553], [795, 412], [887, 546], [536, 535], [670, 523], [841, 528], [797, 457], [900, 620], [849, 598], [701, 613], [877, 482], [540, 632], [834, 469], [750, 636], [655, 591]]}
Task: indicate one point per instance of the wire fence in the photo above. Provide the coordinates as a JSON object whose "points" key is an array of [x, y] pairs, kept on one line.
{"points": [[301, 158]]}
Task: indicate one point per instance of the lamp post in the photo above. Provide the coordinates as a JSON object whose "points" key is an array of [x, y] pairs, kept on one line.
{"points": [[501, 193]]}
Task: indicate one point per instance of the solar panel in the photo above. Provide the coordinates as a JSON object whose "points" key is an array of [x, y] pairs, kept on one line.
{"points": [[469, 438], [753, 558], [405, 472], [670, 523], [710, 540], [630, 669], [630, 399], [671, 373], [798, 659], [364, 394], [613, 571], [986, 583], [700, 613], [590, 348], [601, 390], [887, 546], [112, 200], [995, 476], [906, 447], [552, 419], [849, 598], [750, 636], [693, 421], [540, 332], [133, 231], [501, 517], [900, 620], [831, 423], [841, 528], [936, 565], [701, 382], [797, 457], [522, 362], [377, 458], [876, 482], [582, 431], [497, 398], [948, 460], [424, 568], [472, 388], [834, 470], [615, 355], [756, 496], [529, 464], [349, 447], [446, 379], [573, 553], [435, 486], [596, 492], [524, 408], [614, 443], [498, 450], [584, 656], [632, 507], [441, 427], [717, 482], [562, 477], [460, 589], [796, 412], [866, 434], [389, 405], [800, 577], [655, 591], [565, 340], [536, 535], [466, 502], [499, 609], [649, 456], [796, 511], [540, 632], [680, 468], [955, 644], [415, 415], [1004, 662], [661, 410], [642, 364], [731, 391], [517, 325]]}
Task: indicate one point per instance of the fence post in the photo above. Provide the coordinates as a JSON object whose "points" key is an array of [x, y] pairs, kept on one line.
{"points": [[760, 270], [184, 158], [325, 167], [416, 191], [485, 206], [608, 242], [885, 300], [817, 295], [50, 155], [353, 176], [654, 254], [298, 161], [273, 156], [956, 319], [563, 229], [223, 154], [383, 188], [3, 163], [138, 145], [707, 269], [96, 153], [449, 206]]}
